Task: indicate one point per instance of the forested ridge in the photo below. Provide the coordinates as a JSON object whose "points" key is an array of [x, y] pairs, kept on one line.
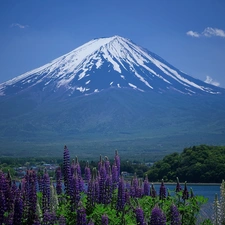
{"points": [[205, 164]]}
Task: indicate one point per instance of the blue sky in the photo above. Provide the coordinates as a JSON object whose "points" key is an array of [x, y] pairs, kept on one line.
{"points": [[189, 34]]}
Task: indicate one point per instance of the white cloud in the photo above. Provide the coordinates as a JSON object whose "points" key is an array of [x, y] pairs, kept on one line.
{"points": [[209, 80], [19, 25], [208, 32], [192, 33]]}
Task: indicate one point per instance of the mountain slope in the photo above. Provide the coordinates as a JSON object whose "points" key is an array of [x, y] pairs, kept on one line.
{"points": [[140, 125]]}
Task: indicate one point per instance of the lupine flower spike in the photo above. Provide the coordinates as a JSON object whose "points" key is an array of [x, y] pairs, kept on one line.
{"points": [[178, 187], [67, 171], [81, 216], [185, 194], [121, 195], [162, 191], [117, 163], [157, 217], [153, 191], [146, 186], [175, 215], [105, 220], [139, 216]]}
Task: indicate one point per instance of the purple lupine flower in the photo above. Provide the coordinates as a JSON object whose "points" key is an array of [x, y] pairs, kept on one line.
{"points": [[178, 187], [96, 187], [175, 215], [90, 195], [62, 220], [108, 189], [81, 184], [102, 179], [87, 172], [117, 163], [9, 178], [132, 191], [157, 217], [185, 194], [146, 186], [2, 206], [33, 194], [153, 191], [2, 181], [9, 218], [77, 164], [128, 185], [14, 188], [8, 192], [121, 195], [7, 197], [91, 223], [127, 196], [18, 209], [93, 190], [49, 218], [105, 219], [75, 189], [134, 184], [73, 167], [139, 192], [46, 192], [139, 216], [25, 194], [67, 171], [58, 181], [107, 165], [29, 193], [36, 222], [162, 191], [114, 176], [81, 217]]}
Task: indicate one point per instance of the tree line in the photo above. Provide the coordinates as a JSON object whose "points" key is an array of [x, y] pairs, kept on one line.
{"points": [[198, 164]]}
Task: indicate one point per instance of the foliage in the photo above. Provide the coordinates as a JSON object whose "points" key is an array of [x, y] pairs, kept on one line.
{"points": [[197, 164]]}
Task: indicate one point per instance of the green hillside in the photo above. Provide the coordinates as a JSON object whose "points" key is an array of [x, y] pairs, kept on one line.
{"points": [[198, 164]]}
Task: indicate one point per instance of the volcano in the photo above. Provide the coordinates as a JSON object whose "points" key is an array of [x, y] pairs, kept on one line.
{"points": [[105, 63], [109, 93]]}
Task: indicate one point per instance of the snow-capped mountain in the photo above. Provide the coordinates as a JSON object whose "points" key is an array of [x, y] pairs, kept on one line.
{"points": [[104, 63], [108, 94]]}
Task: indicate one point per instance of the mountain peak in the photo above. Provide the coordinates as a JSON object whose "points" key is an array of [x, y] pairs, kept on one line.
{"points": [[109, 62]]}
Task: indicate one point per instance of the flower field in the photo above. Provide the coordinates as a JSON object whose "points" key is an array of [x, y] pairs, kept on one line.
{"points": [[98, 197]]}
